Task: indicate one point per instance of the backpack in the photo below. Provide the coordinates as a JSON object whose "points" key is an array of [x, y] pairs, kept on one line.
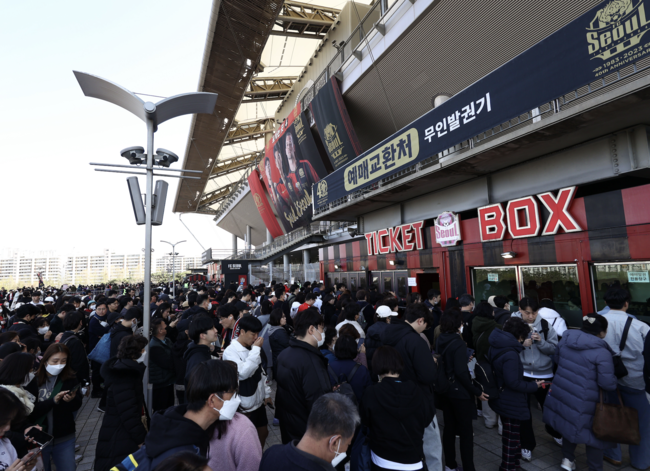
{"points": [[486, 377], [545, 328], [142, 462], [102, 351], [443, 381], [343, 383]]}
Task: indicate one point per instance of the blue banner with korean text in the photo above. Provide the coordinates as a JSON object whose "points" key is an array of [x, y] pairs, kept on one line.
{"points": [[600, 42]]}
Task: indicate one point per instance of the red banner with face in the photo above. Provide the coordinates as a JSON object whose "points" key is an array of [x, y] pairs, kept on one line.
{"points": [[262, 203]]}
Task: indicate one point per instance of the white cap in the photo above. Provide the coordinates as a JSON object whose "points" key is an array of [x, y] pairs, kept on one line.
{"points": [[49, 299], [491, 301], [385, 311]]}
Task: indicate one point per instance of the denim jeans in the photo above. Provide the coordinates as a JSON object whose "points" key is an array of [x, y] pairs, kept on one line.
{"points": [[637, 399], [62, 454]]}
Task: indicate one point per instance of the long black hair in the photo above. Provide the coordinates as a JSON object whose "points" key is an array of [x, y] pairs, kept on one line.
{"points": [[15, 367]]}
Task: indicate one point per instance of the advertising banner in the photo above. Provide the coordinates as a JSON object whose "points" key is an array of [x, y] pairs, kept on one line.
{"points": [[600, 42], [290, 167], [259, 195], [334, 126]]}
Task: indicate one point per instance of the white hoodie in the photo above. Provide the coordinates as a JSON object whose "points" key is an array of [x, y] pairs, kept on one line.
{"points": [[554, 319]]}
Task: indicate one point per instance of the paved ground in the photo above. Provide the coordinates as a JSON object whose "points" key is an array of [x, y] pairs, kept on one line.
{"points": [[487, 443]]}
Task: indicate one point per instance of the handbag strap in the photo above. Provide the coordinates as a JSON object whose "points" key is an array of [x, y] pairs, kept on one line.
{"points": [[618, 393], [626, 329]]}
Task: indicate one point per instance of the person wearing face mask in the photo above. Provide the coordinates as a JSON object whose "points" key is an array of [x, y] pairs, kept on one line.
{"points": [[211, 399], [123, 427], [301, 375], [42, 326], [122, 326], [246, 353], [537, 358], [97, 328], [56, 405], [231, 447], [459, 403], [331, 424], [512, 403], [73, 323]]}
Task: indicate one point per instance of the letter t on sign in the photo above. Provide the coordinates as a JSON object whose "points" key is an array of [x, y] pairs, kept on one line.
{"points": [[369, 240]]}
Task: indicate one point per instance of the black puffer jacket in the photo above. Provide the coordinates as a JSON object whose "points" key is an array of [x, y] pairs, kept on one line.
{"points": [[454, 352], [78, 357], [302, 378], [161, 364], [122, 430], [418, 361], [118, 332]]}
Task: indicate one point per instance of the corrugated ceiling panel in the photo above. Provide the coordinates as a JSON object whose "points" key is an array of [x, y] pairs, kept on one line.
{"points": [[455, 44]]}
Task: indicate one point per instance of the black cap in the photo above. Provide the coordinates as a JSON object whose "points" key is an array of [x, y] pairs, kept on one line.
{"points": [[242, 306]]}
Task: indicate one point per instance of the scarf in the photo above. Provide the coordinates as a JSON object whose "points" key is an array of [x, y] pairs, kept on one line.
{"points": [[25, 397]]}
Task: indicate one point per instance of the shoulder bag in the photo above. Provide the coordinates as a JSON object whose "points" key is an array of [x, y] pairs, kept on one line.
{"points": [[616, 423]]}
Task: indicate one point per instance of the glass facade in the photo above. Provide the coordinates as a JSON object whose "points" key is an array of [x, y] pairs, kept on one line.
{"points": [[633, 276]]}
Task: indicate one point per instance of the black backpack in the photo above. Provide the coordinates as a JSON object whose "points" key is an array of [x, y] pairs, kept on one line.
{"points": [[343, 383], [486, 378], [443, 381]]}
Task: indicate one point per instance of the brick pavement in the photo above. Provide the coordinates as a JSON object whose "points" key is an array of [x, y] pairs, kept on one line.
{"points": [[487, 443]]}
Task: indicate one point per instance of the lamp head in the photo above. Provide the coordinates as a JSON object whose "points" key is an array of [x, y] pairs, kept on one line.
{"points": [[135, 155], [165, 157], [509, 254]]}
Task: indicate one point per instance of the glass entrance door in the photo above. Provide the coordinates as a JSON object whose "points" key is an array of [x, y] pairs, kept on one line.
{"points": [[560, 284]]}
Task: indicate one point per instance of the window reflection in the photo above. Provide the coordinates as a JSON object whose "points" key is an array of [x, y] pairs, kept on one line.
{"points": [[559, 283], [496, 281], [634, 277]]}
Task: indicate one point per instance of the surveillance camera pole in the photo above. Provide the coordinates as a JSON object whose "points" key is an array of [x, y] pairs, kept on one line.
{"points": [[173, 264], [153, 115]]}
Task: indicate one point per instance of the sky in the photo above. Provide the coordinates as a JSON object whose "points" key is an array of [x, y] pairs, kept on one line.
{"points": [[52, 198]]}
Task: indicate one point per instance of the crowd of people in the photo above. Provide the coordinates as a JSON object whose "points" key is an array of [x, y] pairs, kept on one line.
{"points": [[359, 377]]}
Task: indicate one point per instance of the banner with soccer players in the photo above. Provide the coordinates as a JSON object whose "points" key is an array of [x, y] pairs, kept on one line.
{"points": [[290, 167]]}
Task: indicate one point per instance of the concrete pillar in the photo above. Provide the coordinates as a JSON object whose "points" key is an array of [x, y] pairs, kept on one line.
{"points": [[234, 244], [270, 270], [305, 262], [269, 237], [248, 237], [286, 266]]}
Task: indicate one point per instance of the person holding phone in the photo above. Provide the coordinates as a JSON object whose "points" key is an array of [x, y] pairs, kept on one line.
{"points": [[58, 399]]}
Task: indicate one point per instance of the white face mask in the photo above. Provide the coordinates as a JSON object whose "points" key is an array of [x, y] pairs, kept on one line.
{"points": [[93, 307], [54, 370], [229, 407], [338, 457], [142, 357], [322, 339], [461, 328], [43, 330], [28, 379]]}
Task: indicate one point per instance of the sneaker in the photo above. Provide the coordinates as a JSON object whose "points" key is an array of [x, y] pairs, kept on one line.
{"points": [[526, 454], [568, 465], [78, 458], [276, 422], [100, 409], [479, 413], [76, 447], [558, 440]]}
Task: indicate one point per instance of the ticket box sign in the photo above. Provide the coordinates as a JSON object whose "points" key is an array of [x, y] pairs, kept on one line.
{"points": [[447, 229], [402, 238]]}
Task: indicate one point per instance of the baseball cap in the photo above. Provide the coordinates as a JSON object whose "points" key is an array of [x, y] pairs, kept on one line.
{"points": [[385, 311], [49, 299]]}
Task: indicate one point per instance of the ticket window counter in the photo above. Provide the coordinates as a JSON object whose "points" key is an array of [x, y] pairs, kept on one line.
{"points": [[633, 276], [558, 283], [354, 281], [395, 281]]}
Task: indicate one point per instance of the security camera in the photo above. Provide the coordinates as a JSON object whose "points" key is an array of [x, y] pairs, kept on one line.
{"points": [[135, 155], [165, 157]]}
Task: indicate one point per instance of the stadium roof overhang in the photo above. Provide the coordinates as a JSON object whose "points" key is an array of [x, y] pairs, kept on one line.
{"points": [[232, 67], [238, 31]]}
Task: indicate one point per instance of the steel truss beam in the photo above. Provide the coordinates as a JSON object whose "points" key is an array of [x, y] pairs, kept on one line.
{"points": [[304, 20], [226, 166], [216, 195], [268, 88], [248, 131]]}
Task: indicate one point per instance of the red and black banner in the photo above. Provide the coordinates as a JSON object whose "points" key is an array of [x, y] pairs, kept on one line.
{"points": [[290, 167], [259, 195], [334, 126]]}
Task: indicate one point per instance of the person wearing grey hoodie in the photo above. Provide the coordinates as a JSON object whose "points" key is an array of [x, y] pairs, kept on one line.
{"points": [[537, 358]]}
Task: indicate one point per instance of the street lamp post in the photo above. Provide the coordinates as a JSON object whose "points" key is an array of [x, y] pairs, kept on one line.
{"points": [[152, 114], [173, 264]]}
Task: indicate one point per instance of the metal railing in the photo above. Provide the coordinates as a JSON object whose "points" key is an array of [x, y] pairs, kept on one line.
{"points": [[551, 108], [325, 229], [240, 186]]}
